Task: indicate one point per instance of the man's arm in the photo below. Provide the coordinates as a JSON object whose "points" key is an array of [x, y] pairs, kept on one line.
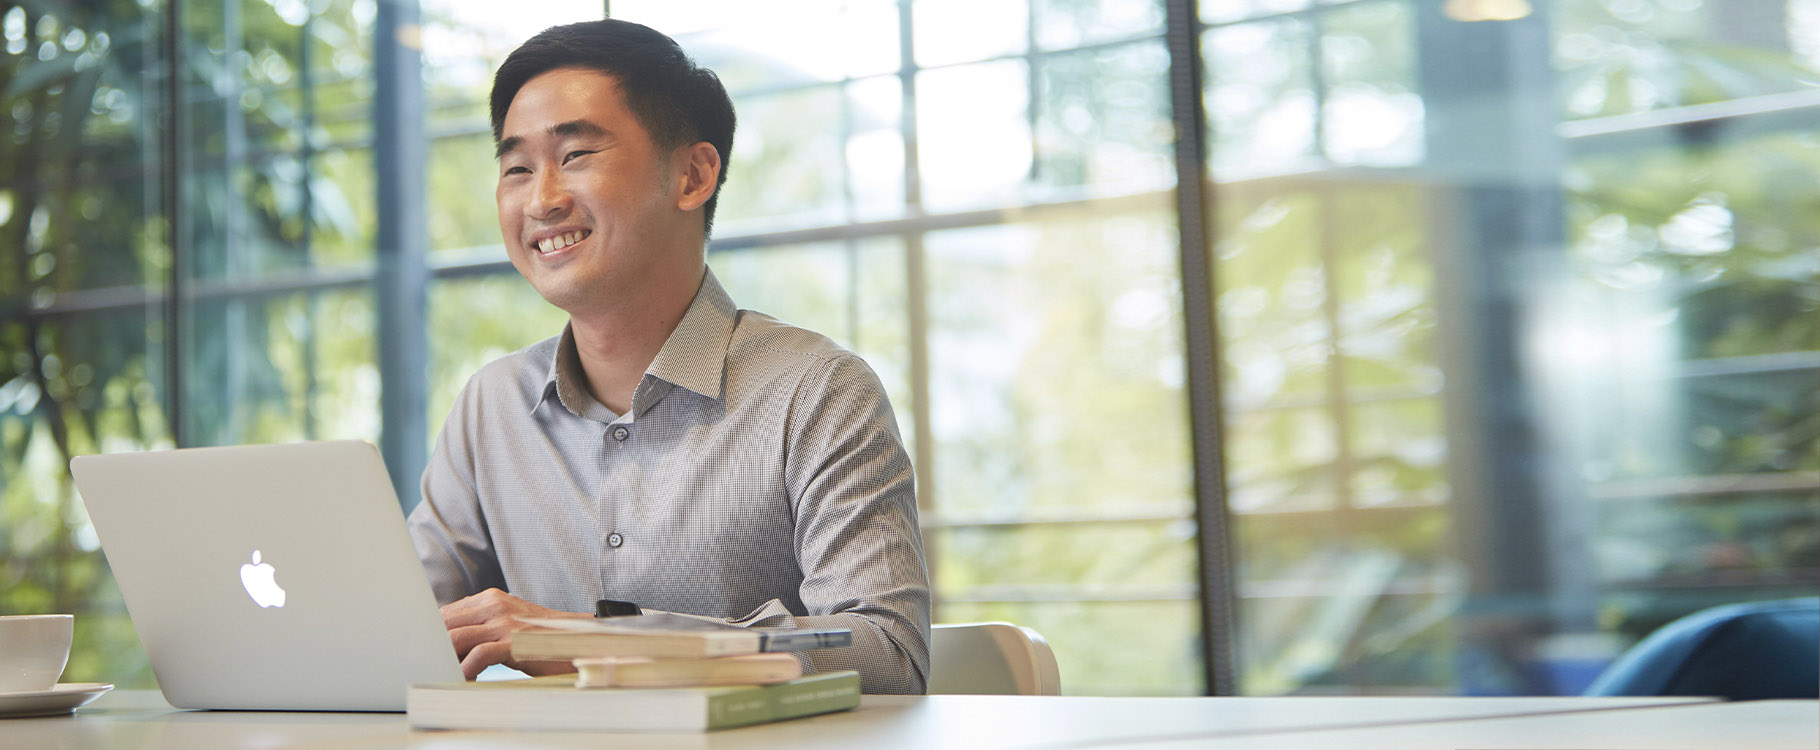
{"points": [[448, 526], [449, 530], [857, 538]]}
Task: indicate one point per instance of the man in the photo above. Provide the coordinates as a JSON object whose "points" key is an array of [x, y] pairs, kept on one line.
{"points": [[666, 448]]}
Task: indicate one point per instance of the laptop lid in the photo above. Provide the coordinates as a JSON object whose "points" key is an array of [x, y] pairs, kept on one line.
{"points": [[275, 577]]}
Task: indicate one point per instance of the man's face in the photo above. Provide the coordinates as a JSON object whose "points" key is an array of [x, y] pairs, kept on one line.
{"points": [[586, 203]]}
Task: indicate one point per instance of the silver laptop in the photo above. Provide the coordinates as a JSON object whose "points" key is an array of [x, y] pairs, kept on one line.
{"points": [[273, 577]]}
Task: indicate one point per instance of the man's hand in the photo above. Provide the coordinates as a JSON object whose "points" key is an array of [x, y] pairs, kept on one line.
{"points": [[481, 628]]}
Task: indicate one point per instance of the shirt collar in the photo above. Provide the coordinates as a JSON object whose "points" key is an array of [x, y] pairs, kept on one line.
{"points": [[694, 357]]}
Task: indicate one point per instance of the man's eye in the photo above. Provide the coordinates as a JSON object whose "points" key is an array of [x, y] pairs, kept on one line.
{"points": [[573, 155], [517, 170]]}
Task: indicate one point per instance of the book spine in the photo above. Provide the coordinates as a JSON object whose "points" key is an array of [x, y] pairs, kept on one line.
{"points": [[807, 697]]}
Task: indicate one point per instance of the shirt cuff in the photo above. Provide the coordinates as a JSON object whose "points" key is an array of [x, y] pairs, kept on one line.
{"points": [[772, 615]]}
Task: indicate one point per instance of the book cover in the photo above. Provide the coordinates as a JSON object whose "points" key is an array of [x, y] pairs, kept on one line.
{"points": [[640, 672], [662, 636], [556, 704]]}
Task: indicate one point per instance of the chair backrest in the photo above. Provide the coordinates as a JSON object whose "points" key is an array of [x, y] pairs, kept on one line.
{"points": [[991, 658], [1737, 652]]}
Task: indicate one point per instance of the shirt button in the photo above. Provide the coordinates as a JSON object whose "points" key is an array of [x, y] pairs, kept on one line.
{"points": [[614, 539], [621, 433]]}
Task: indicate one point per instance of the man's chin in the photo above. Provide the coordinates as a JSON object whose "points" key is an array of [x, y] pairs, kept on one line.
{"points": [[572, 298]]}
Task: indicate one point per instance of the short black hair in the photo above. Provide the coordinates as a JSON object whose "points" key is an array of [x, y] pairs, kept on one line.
{"points": [[677, 101]]}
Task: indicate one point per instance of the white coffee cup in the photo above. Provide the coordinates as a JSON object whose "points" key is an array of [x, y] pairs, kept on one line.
{"points": [[33, 651]]}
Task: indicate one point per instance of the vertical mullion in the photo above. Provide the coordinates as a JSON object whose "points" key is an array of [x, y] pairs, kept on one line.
{"points": [[1338, 404], [916, 282], [1193, 205], [850, 211], [401, 286], [1317, 80], [1032, 85], [235, 240], [176, 228], [306, 84]]}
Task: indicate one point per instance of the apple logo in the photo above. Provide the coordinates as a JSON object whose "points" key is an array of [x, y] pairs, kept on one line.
{"points": [[257, 578]]}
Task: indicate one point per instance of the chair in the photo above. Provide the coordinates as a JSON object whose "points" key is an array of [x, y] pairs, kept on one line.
{"points": [[1737, 652], [991, 658]]}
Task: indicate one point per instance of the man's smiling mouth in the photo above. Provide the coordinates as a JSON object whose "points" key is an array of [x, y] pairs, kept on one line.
{"points": [[552, 244]]}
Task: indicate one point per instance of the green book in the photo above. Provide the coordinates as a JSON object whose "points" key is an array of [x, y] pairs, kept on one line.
{"points": [[554, 703]]}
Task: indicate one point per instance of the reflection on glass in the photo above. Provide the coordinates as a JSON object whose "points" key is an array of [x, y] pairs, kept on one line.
{"points": [[1371, 111], [1103, 120], [1260, 97], [1220, 11], [1067, 24], [1644, 368]]}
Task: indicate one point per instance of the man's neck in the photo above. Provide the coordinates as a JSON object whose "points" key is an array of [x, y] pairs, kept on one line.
{"points": [[617, 344]]}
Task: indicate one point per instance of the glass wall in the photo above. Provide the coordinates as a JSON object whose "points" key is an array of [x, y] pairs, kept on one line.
{"points": [[1520, 331], [1518, 313]]}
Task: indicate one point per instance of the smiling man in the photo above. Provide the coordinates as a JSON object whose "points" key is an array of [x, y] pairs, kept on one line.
{"points": [[666, 448]]}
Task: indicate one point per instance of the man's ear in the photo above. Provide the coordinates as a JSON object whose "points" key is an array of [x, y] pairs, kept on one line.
{"points": [[700, 175]]}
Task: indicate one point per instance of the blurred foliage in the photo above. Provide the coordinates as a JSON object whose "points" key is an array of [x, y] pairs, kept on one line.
{"points": [[81, 212]]}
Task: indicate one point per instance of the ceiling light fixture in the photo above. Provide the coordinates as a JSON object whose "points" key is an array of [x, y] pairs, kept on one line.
{"points": [[1487, 10]]}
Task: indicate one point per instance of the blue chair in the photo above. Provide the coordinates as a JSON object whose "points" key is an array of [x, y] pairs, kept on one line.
{"points": [[1737, 652]]}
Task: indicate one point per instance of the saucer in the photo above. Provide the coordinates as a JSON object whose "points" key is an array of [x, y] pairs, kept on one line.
{"points": [[62, 699]]}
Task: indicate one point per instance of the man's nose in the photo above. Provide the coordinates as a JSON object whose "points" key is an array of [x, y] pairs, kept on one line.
{"points": [[548, 196]]}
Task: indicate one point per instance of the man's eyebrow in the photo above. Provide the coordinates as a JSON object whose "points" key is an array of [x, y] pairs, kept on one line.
{"points": [[565, 129], [578, 127], [506, 146]]}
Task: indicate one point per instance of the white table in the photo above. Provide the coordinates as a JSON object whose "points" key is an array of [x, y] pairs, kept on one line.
{"points": [[141, 719], [1748, 725]]}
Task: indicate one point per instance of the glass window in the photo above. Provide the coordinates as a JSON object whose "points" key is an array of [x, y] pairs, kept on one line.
{"points": [[1518, 325]]}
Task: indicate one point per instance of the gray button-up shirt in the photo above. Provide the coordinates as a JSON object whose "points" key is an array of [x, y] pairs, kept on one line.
{"points": [[758, 477]]}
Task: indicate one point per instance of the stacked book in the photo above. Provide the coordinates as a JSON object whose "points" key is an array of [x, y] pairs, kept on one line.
{"points": [[658, 672]]}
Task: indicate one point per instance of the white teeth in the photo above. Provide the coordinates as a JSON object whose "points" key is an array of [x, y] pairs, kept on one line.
{"points": [[559, 242]]}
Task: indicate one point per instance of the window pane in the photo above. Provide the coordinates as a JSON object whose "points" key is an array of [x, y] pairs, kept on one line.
{"points": [[476, 320], [1158, 653], [964, 31], [974, 131], [1136, 558], [462, 213], [80, 386], [1272, 292], [875, 148], [1066, 24], [817, 41], [1546, 382], [1618, 58], [1219, 11], [1103, 122], [1056, 372], [782, 174], [1370, 111], [1260, 97]]}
